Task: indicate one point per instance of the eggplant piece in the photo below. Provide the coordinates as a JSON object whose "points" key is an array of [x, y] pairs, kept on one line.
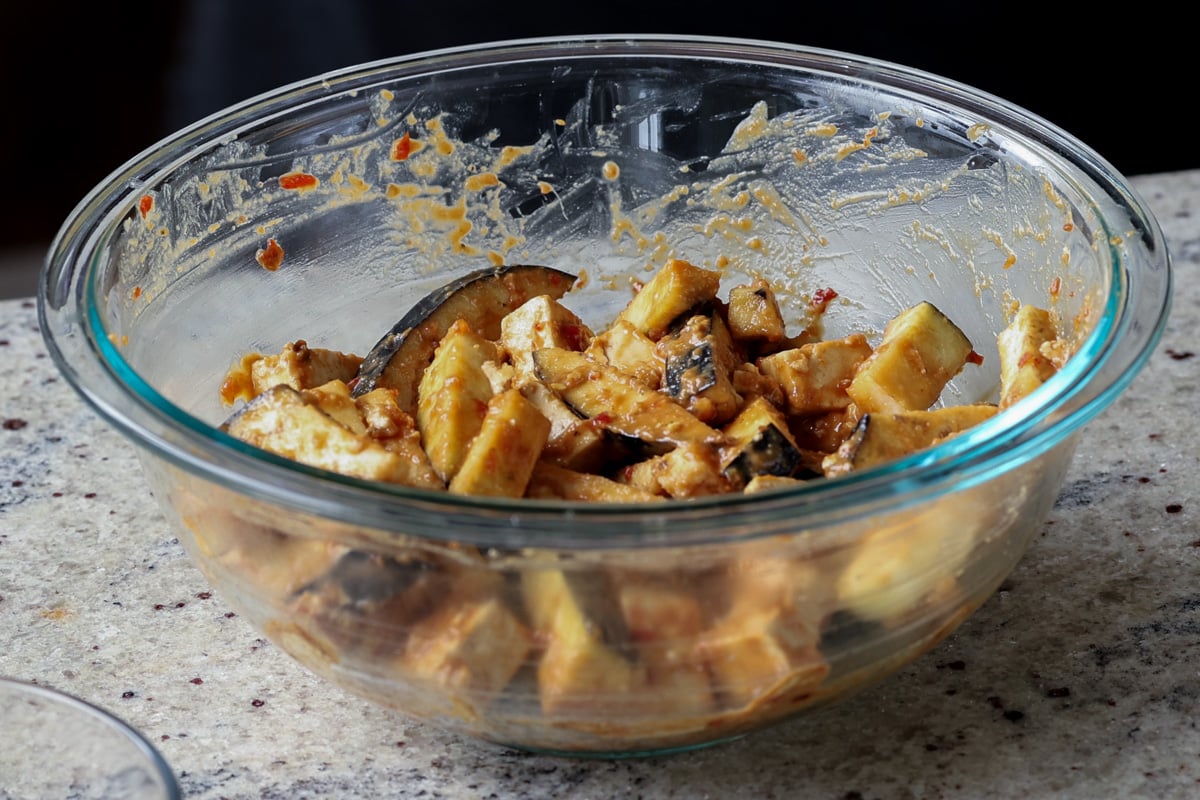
{"points": [[574, 442], [690, 369], [364, 579], [445, 624], [770, 452], [882, 437], [293, 425], [551, 481], [754, 315], [297, 365], [483, 298], [692, 469], [699, 359], [763, 444], [621, 403], [561, 416], [588, 446]]}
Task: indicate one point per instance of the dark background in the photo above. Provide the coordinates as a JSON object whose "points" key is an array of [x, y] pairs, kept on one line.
{"points": [[96, 85]]}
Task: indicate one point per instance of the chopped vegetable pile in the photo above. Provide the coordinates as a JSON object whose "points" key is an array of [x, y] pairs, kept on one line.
{"points": [[492, 386]]}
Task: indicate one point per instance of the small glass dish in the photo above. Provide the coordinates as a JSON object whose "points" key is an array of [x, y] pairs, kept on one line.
{"points": [[59, 746]]}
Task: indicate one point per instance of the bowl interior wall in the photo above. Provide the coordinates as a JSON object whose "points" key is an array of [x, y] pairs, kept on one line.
{"points": [[605, 167]]}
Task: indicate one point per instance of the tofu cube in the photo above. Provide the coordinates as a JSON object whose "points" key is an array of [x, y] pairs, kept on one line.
{"points": [[675, 289], [540, 322], [470, 645], [1023, 366], [814, 377], [920, 352], [452, 397], [501, 457]]}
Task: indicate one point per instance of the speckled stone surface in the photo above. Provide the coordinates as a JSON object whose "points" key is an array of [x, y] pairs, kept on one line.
{"points": [[1080, 678]]}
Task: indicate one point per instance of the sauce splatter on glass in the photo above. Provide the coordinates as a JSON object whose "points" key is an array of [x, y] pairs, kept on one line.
{"points": [[270, 257]]}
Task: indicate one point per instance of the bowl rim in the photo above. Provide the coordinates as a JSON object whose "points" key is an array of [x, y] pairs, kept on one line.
{"points": [[1133, 319], [61, 698]]}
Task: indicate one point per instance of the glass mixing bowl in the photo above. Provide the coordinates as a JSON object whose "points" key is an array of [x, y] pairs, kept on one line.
{"points": [[326, 209]]}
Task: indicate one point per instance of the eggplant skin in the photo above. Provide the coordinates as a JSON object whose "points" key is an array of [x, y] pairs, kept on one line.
{"points": [[769, 453], [482, 298], [690, 372]]}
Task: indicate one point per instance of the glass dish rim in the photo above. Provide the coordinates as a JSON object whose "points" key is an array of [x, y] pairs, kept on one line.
{"points": [[231, 463], [64, 698]]}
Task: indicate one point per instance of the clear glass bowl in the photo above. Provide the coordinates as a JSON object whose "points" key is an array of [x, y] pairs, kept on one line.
{"points": [[603, 629], [57, 745]]}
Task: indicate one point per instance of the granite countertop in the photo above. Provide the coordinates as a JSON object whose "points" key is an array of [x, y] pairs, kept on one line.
{"points": [[1080, 678]]}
